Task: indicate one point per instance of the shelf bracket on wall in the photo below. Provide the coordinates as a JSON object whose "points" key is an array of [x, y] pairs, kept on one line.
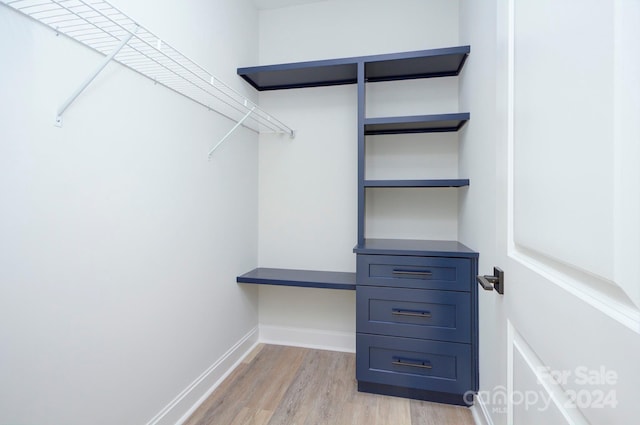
{"points": [[91, 77], [105, 29], [226, 136]]}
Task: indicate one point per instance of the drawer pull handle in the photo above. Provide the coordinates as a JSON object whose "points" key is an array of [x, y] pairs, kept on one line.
{"points": [[421, 365], [412, 313], [411, 273]]}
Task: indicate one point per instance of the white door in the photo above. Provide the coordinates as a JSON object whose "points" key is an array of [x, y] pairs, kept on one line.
{"points": [[568, 212]]}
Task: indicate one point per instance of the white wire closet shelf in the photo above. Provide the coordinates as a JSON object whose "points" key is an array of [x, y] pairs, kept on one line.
{"points": [[105, 29]]}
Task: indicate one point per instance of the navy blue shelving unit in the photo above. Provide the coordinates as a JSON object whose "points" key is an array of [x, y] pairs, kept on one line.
{"points": [[416, 300]]}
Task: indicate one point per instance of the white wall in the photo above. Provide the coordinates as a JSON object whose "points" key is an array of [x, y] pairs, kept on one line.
{"points": [[477, 225], [119, 241], [343, 28], [308, 197]]}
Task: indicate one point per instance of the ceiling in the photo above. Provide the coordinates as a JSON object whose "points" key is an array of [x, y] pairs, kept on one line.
{"points": [[273, 4]]}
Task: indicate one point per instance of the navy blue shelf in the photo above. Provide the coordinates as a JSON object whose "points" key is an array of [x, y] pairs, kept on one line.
{"points": [[331, 72], [446, 62], [302, 278], [416, 124], [417, 183], [388, 67], [431, 248]]}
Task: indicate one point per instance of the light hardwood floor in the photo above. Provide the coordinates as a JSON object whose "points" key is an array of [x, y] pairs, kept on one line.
{"points": [[279, 385]]}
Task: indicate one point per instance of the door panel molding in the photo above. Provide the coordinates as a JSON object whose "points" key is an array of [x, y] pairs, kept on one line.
{"points": [[549, 389], [607, 299]]}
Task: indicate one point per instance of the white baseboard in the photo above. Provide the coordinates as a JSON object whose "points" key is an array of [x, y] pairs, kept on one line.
{"points": [[480, 412], [309, 338], [185, 403]]}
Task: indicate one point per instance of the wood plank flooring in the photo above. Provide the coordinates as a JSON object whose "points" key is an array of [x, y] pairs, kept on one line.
{"points": [[278, 385]]}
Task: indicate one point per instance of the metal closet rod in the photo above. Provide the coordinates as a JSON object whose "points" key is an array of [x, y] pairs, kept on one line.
{"points": [[102, 27]]}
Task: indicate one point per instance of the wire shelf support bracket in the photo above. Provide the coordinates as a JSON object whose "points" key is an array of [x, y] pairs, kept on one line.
{"points": [[226, 136], [102, 27], [90, 79]]}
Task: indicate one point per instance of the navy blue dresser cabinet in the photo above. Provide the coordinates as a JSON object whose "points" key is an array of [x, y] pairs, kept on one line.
{"points": [[416, 319]]}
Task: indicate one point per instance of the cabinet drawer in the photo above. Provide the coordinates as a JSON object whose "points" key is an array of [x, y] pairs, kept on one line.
{"points": [[453, 274], [414, 313], [414, 363]]}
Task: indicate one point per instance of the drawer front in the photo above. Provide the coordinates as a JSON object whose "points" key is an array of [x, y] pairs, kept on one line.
{"points": [[413, 363], [453, 274], [414, 313]]}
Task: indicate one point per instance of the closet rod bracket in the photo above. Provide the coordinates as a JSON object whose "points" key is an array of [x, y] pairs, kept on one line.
{"points": [[92, 77]]}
